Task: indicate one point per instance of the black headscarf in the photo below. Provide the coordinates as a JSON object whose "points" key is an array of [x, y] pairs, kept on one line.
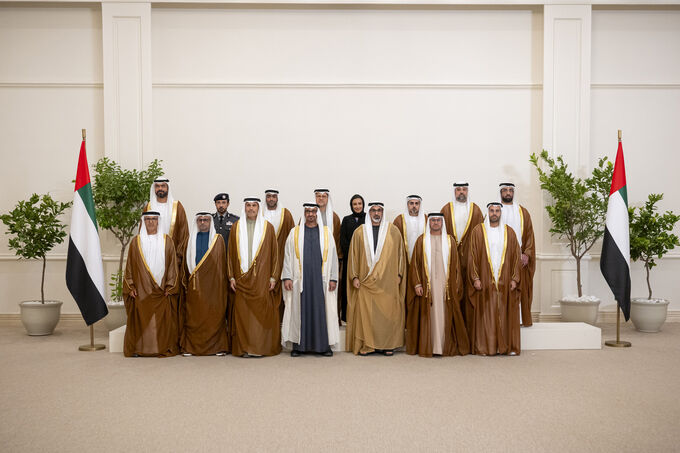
{"points": [[360, 216]]}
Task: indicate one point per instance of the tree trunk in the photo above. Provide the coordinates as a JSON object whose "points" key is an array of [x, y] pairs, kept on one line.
{"points": [[119, 280], [122, 255], [649, 287], [578, 277], [42, 282]]}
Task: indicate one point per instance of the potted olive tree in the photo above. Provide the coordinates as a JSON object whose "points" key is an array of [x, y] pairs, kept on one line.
{"points": [[35, 229], [119, 198], [577, 212], [651, 237]]}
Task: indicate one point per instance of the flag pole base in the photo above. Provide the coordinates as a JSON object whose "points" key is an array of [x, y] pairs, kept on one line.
{"points": [[618, 344], [92, 347]]}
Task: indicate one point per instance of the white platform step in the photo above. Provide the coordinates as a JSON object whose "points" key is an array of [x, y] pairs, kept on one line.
{"points": [[542, 335], [116, 339], [560, 335]]}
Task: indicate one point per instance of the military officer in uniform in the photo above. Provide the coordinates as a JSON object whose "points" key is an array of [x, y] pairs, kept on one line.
{"points": [[223, 220]]}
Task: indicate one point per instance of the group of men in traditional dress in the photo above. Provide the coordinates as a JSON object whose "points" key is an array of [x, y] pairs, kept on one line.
{"points": [[447, 283]]}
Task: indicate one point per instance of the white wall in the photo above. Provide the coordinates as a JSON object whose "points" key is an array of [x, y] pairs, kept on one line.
{"points": [[50, 88], [636, 88], [381, 102], [384, 102]]}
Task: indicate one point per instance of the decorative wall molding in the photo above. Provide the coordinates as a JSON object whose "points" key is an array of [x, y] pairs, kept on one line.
{"points": [[605, 317], [371, 85], [51, 85], [635, 86], [126, 39]]}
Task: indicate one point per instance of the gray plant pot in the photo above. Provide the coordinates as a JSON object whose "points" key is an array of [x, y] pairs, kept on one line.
{"points": [[40, 319], [576, 311], [648, 315], [117, 317]]}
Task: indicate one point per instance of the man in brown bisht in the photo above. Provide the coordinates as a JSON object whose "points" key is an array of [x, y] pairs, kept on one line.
{"points": [[205, 283], [518, 218], [173, 221], [376, 286], [461, 216], [282, 221], [150, 290], [252, 270], [434, 322], [493, 286]]}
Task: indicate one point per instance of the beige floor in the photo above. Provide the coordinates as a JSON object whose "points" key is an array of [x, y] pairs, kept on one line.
{"points": [[55, 398]]}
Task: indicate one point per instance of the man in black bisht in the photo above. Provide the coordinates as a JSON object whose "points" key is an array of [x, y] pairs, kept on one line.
{"points": [[349, 224], [223, 220]]}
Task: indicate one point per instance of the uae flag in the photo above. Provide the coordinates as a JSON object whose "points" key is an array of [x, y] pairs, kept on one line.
{"points": [[615, 260], [84, 270]]}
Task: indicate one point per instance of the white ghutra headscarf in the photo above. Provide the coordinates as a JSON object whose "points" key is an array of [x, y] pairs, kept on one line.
{"points": [[427, 244], [374, 256], [461, 211], [193, 234], [273, 217], [165, 209], [329, 212], [258, 233], [415, 225], [496, 238], [510, 212], [153, 248]]}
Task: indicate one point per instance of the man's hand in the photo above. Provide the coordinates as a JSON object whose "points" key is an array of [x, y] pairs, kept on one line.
{"points": [[233, 284], [419, 290], [356, 283], [133, 293], [477, 284], [332, 285], [288, 285], [513, 285], [525, 260], [167, 293], [272, 284]]}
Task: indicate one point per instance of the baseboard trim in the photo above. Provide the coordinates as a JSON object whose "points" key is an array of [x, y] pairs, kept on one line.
{"points": [[63, 317], [605, 317]]}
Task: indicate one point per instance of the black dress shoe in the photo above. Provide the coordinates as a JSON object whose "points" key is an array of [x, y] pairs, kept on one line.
{"points": [[295, 353], [328, 353]]}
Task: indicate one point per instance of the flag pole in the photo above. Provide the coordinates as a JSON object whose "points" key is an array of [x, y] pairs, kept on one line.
{"points": [[91, 346], [618, 343]]}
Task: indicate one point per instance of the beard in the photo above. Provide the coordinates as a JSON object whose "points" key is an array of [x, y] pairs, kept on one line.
{"points": [[461, 198], [507, 198], [376, 219], [414, 212], [161, 194], [494, 219], [221, 209], [271, 204]]}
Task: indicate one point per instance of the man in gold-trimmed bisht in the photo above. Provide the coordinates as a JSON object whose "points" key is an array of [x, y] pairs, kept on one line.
{"points": [[461, 216], [376, 286], [517, 217], [310, 278], [150, 291], [252, 270], [434, 322], [282, 221], [493, 286], [205, 284]]}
